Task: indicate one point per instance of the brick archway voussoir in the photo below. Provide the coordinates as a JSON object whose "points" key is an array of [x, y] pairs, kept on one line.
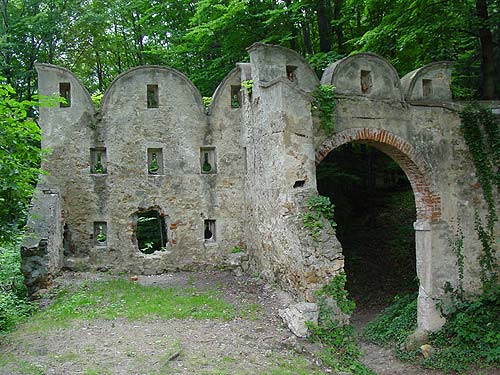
{"points": [[428, 201]]}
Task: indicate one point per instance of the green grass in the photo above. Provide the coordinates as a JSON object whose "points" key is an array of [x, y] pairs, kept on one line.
{"points": [[121, 298]]}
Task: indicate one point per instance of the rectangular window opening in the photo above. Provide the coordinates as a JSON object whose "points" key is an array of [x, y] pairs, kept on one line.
{"points": [[155, 161], [366, 81], [152, 96], [98, 160], [208, 160], [236, 96], [65, 93], [291, 73], [100, 233], [209, 234], [427, 88]]}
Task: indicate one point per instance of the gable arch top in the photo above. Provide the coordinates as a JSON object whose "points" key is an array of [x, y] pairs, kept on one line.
{"points": [[430, 82], [49, 77], [270, 62], [427, 199], [130, 87], [364, 74]]}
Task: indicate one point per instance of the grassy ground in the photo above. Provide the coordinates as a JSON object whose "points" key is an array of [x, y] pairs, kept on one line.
{"points": [[116, 326]]}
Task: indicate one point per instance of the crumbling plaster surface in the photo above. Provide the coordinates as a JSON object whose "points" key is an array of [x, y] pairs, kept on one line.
{"points": [[266, 150]]}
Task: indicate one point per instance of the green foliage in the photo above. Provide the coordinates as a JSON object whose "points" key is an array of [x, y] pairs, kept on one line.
{"points": [[395, 323], [19, 160], [207, 101], [335, 290], [471, 335], [153, 167], [340, 352], [247, 85], [14, 307], [123, 298], [318, 207], [323, 105], [481, 130], [236, 250]]}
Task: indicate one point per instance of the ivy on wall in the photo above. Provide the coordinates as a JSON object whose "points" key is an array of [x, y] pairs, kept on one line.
{"points": [[323, 105], [481, 130]]}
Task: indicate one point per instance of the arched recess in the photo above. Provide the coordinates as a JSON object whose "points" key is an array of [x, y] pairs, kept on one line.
{"points": [[427, 200]]}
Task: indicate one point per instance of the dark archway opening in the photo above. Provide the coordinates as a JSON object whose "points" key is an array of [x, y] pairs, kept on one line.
{"points": [[151, 231], [375, 212]]}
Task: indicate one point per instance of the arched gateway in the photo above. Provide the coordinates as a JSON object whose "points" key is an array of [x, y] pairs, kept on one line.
{"points": [[239, 173], [427, 202]]}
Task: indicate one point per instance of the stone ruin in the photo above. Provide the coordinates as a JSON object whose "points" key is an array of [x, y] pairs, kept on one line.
{"points": [[238, 174]]}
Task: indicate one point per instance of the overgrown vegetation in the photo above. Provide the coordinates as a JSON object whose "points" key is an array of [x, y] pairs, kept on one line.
{"points": [[340, 350], [14, 307], [395, 323], [323, 105], [318, 207]]}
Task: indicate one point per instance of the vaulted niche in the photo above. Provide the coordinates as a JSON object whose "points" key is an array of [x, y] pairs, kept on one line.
{"points": [[366, 81], [151, 231], [374, 212], [155, 161], [100, 233]]}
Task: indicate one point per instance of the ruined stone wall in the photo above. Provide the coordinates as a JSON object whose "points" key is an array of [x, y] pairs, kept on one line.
{"points": [[263, 145], [126, 133]]}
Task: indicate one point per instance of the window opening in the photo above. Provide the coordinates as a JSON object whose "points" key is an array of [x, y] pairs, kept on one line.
{"points": [[235, 96], [155, 161], [291, 73], [98, 160], [151, 232], [427, 88], [100, 233], [209, 231], [152, 96], [65, 93], [366, 81], [207, 160]]}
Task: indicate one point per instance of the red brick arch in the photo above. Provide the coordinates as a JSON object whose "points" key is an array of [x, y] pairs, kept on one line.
{"points": [[428, 201]]}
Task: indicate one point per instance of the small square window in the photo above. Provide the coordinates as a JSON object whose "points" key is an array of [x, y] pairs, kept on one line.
{"points": [[209, 234], [100, 233], [427, 88], [207, 160], [291, 73], [366, 81], [152, 96], [235, 96], [98, 160], [65, 93], [155, 161]]}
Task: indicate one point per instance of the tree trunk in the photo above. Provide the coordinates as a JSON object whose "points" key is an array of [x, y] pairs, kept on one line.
{"points": [[487, 56], [324, 14], [339, 32], [307, 38]]}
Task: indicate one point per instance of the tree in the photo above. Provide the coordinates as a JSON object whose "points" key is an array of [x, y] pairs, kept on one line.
{"points": [[19, 160]]}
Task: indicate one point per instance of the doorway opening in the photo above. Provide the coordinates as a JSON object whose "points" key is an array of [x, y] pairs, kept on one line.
{"points": [[151, 231], [374, 211]]}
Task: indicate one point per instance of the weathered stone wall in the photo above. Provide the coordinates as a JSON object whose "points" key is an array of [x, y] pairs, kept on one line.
{"points": [[123, 132], [264, 147]]}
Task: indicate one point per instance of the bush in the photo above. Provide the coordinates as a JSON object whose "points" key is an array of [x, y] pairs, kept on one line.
{"points": [[14, 306]]}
